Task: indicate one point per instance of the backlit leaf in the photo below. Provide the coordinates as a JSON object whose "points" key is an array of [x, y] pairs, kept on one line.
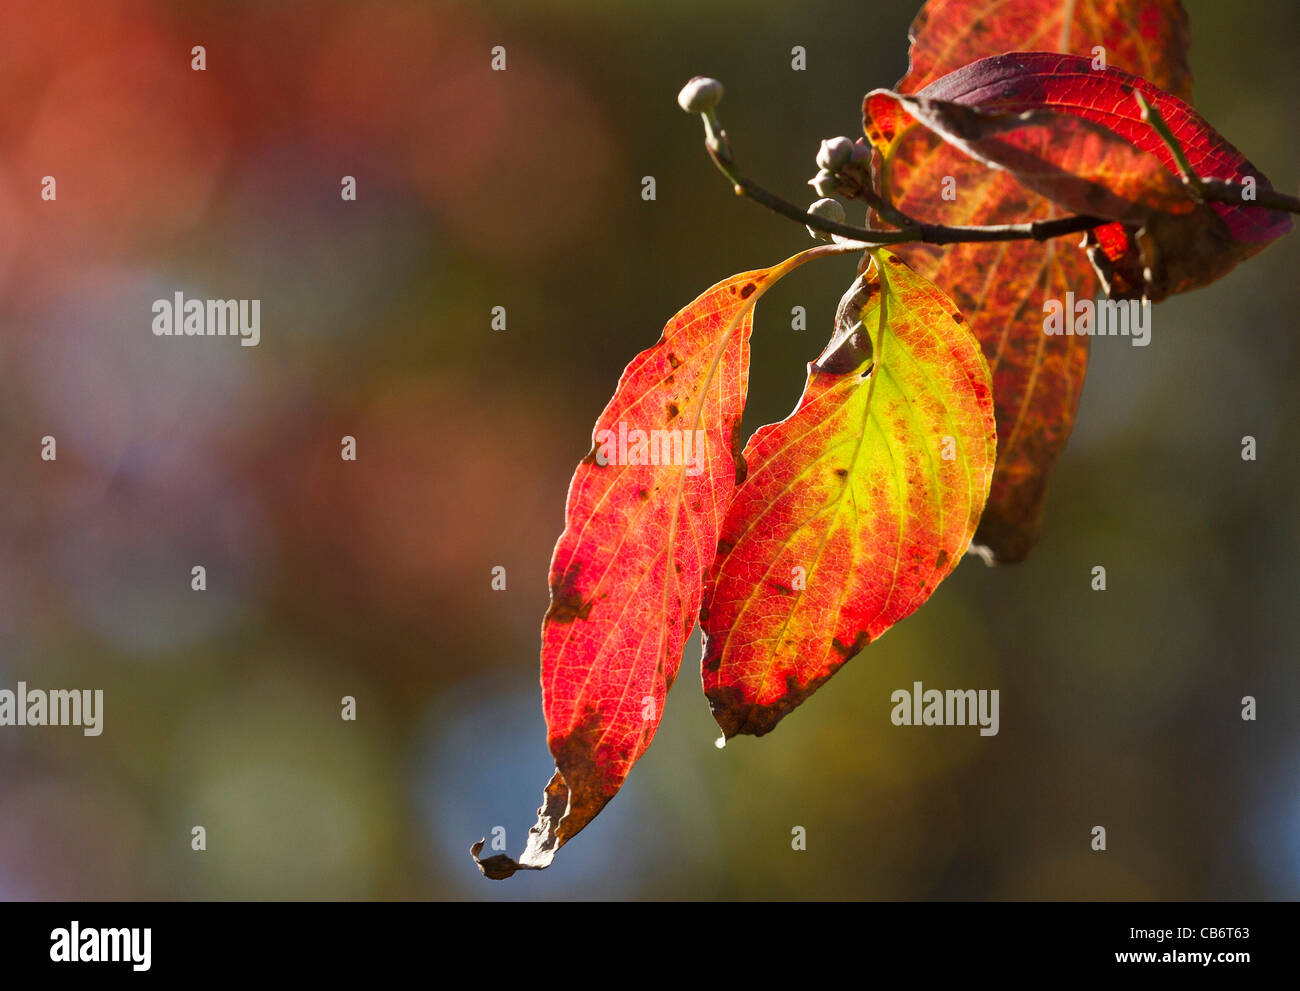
{"points": [[855, 506], [1037, 380], [1078, 164], [1034, 82], [1146, 37], [641, 529]]}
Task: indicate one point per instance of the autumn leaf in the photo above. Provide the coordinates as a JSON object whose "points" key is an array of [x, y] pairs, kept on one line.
{"points": [[976, 106], [1037, 379], [855, 506], [1149, 38], [641, 529], [1078, 164]]}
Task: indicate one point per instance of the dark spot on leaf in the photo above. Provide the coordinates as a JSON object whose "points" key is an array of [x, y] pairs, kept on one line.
{"points": [[713, 658], [849, 650], [784, 590], [726, 545], [735, 717], [957, 317], [566, 601], [747, 291], [737, 458], [643, 494], [842, 472], [674, 360], [672, 410], [567, 610], [942, 559]]}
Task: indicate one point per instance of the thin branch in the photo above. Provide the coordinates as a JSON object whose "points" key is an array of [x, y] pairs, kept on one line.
{"points": [[1223, 191], [719, 148], [885, 209]]}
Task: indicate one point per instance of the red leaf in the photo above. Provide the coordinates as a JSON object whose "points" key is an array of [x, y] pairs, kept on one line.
{"points": [[856, 505], [627, 576], [1145, 37], [1066, 84], [1000, 288], [1079, 164]]}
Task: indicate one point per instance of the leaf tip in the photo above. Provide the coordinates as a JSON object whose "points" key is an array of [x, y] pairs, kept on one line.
{"points": [[498, 867]]}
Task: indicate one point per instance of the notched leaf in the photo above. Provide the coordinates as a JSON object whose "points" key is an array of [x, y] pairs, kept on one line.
{"points": [[849, 349]]}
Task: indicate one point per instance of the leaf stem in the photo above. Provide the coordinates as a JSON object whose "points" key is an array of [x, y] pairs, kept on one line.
{"points": [[1215, 190], [1223, 191], [1158, 124]]}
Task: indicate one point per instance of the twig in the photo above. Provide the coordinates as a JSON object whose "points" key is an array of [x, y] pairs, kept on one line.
{"points": [[886, 210], [1223, 191], [719, 148]]}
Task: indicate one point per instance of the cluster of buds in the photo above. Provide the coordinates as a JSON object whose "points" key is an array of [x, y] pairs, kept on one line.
{"points": [[845, 165], [845, 171], [845, 168]]}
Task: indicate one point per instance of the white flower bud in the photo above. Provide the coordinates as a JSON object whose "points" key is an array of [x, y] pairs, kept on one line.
{"points": [[834, 154], [824, 183], [700, 95], [827, 209]]}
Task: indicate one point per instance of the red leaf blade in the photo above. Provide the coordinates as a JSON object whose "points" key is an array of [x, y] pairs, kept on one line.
{"points": [[627, 576], [1147, 37], [1033, 81], [1078, 164]]}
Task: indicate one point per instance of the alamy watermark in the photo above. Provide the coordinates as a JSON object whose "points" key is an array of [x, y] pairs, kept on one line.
{"points": [[1098, 318], [954, 707], [58, 707], [181, 317], [653, 447], [91, 945]]}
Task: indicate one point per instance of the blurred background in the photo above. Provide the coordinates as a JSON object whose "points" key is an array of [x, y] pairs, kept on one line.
{"points": [[326, 578]]}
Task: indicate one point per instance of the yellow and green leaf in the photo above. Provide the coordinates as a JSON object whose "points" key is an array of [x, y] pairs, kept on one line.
{"points": [[856, 505]]}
